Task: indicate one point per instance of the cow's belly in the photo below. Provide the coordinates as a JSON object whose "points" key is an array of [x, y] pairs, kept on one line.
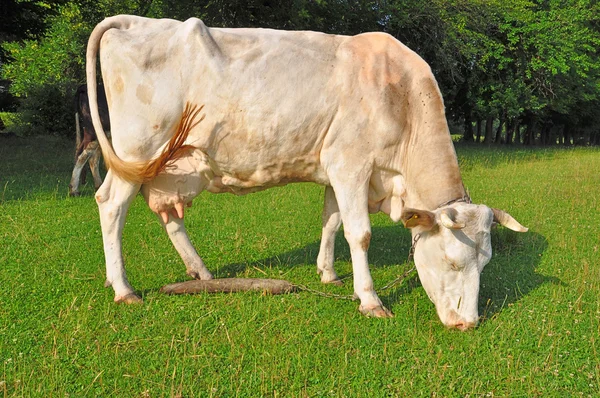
{"points": [[265, 175], [189, 175]]}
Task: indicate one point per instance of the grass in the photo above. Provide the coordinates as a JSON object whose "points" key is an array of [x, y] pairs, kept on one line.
{"points": [[61, 334]]}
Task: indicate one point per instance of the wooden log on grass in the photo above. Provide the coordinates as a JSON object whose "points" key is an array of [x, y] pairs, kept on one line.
{"points": [[230, 285]]}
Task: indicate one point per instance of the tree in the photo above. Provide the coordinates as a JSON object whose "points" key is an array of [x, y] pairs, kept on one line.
{"points": [[547, 64], [20, 20], [529, 63], [44, 72]]}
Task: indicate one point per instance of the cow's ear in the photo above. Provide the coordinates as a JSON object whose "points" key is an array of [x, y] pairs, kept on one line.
{"points": [[412, 218]]}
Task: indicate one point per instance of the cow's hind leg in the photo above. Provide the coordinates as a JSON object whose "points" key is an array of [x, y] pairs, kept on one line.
{"points": [[351, 192], [113, 198], [193, 263], [95, 164], [331, 224]]}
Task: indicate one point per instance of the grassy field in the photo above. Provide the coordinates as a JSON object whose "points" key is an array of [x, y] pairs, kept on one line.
{"points": [[61, 334]]}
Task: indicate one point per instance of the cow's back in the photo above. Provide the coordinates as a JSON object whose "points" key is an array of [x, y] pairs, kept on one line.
{"points": [[275, 101], [266, 94]]}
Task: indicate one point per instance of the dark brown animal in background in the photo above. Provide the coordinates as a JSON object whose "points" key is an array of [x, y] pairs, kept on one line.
{"points": [[87, 148]]}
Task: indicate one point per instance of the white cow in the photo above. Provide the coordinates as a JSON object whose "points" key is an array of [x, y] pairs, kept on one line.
{"points": [[362, 115]]}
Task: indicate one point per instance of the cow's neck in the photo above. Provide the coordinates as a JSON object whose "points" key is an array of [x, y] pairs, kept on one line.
{"points": [[430, 165]]}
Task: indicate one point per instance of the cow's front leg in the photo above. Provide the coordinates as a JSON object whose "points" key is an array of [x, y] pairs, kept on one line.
{"points": [[77, 170], [95, 164], [353, 205], [331, 224], [193, 263], [113, 198]]}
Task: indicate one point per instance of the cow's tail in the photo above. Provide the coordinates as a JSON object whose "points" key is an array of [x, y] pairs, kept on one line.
{"points": [[142, 171]]}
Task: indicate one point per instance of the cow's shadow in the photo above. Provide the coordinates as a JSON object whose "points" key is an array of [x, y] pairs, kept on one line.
{"points": [[389, 247], [510, 274]]}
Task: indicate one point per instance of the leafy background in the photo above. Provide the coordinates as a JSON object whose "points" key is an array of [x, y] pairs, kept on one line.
{"points": [[521, 71]]}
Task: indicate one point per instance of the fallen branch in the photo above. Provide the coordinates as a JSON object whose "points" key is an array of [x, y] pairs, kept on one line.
{"points": [[230, 285]]}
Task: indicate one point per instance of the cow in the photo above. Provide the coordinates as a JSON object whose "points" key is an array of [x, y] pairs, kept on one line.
{"points": [[195, 108], [86, 147]]}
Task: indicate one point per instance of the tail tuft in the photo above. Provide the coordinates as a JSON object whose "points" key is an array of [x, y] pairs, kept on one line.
{"points": [[142, 172]]}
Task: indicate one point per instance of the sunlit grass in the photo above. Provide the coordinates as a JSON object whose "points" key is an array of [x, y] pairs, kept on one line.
{"points": [[60, 332]]}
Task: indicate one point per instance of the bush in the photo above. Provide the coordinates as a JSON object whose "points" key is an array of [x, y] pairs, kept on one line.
{"points": [[48, 109], [45, 73], [11, 122]]}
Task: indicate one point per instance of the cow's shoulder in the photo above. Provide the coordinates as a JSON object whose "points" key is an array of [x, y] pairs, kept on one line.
{"points": [[377, 50]]}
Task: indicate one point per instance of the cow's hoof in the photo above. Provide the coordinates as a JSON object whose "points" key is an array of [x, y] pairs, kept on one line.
{"points": [[131, 298], [336, 282], [74, 194], [329, 277], [200, 275], [377, 312]]}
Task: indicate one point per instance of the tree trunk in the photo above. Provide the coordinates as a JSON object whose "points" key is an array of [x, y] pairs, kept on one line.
{"points": [[545, 134], [468, 132], [556, 135], [509, 133], [559, 135], [510, 129], [528, 138], [498, 137], [489, 123], [478, 140], [567, 135]]}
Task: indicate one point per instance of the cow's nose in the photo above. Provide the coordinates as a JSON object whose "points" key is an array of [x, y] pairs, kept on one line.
{"points": [[464, 325], [455, 321]]}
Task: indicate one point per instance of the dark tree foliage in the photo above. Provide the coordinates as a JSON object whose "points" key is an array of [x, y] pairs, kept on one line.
{"points": [[340, 17], [24, 20], [522, 71], [20, 20]]}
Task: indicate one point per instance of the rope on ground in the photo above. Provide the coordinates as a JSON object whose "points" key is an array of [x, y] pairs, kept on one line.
{"points": [[390, 285]]}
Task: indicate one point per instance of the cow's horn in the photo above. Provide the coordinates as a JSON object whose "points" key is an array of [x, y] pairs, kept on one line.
{"points": [[448, 222], [502, 217]]}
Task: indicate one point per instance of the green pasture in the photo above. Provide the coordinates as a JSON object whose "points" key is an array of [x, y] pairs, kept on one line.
{"points": [[62, 335]]}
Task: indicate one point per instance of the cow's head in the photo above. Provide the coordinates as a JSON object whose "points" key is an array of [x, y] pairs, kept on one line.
{"points": [[452, 246]]}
